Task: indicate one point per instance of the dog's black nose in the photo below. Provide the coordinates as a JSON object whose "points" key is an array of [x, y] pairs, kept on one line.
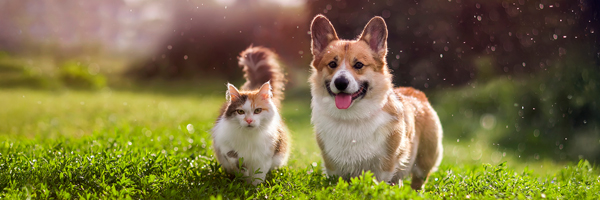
{"points": [[341, 83]]}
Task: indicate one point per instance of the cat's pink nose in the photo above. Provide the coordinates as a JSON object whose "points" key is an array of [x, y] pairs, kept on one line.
{"points": [[249, 121]]}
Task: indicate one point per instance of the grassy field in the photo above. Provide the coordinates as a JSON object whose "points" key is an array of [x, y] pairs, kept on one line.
{"points": [[153, 143]]}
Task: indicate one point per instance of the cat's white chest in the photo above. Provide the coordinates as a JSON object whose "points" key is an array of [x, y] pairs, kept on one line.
{"points": [[254, 146]]}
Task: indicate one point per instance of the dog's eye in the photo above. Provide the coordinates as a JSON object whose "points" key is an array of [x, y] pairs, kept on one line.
{"points": [[358, 65], [239, 112], [258, 110], [332, 64]]}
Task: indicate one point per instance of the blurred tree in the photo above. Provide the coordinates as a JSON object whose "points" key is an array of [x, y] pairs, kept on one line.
{"points": [[447, 42], [207, 38]]}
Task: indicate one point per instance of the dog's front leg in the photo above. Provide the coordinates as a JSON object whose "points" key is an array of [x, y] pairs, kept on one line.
{"points": [[330, 166]]}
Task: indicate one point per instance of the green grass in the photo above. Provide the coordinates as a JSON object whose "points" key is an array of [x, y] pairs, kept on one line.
{"points": [[155, 143]]}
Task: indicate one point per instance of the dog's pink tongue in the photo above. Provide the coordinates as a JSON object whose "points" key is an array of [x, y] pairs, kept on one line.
{"points": [[343, 100]]}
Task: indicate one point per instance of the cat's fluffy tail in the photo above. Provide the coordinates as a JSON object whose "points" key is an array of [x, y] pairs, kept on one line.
{"points": [[260, 65]]}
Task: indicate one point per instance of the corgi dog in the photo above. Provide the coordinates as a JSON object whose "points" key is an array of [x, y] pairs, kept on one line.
{"points": [[250, 126], [361, 122]]}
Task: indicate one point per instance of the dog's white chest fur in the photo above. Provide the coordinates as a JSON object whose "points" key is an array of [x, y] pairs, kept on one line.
{"points": [[353, 145], [353, 141]]}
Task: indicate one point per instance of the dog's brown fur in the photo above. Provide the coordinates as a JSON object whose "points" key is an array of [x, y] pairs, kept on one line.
{"points": [[411, 114]]}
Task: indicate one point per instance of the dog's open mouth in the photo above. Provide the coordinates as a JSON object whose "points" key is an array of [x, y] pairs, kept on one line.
{"points": [[344, 100]]}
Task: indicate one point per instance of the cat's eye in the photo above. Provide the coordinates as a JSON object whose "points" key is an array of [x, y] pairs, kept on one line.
{"points": [[239, 112], [258, 110], [332, 64], [358, 65]]}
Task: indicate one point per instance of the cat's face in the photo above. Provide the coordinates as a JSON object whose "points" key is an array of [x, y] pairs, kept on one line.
{"points": [[250, 109]]}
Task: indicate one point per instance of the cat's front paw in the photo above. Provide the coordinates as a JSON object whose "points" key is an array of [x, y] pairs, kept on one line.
{"points": [[256, 181]]}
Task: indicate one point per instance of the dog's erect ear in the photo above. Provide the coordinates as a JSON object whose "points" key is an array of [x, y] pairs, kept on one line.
{"points": [[232, 93], [265, 91], [322, 33], [375, 34]]}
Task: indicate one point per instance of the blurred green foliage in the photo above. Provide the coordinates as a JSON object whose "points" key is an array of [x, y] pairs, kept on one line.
{"points": [[77, 75], [17, 71], [3, 54], [553, 114], [14, 74]]}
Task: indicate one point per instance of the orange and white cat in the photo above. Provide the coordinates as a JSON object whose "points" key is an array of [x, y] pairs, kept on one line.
{"points": [[362, 122], [250, 126]]}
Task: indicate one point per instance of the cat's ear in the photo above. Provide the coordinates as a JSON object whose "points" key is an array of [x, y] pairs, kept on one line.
{"points": [[232, 93], [265, 91]]}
